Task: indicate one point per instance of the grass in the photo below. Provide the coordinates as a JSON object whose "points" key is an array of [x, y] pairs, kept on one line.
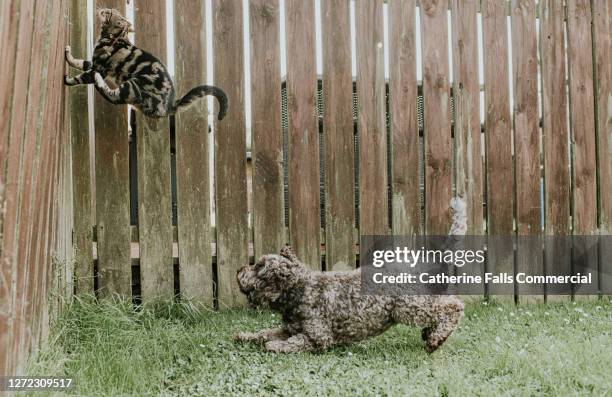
{"points": [[176, 349]]}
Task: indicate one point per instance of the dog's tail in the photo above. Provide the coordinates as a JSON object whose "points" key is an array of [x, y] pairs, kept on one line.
{"points": [[200, 92], [458, 228], [459, 213]]}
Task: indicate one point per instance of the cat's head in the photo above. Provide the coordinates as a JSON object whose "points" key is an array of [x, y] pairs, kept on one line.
{"points": [[113, 24]]}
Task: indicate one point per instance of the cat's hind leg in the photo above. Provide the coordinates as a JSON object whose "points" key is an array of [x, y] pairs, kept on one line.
{"points": [[127, 92], [83, 78], [76, 63]]}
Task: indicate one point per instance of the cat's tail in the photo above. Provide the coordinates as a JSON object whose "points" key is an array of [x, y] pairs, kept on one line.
{"points": [[200, 92]]}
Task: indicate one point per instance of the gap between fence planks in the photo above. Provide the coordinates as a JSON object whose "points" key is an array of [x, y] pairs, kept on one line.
{"points": [[112, 187], [267, 136], [304, 199], [339, 136], [230, 149], [192, 170], [153, 143]]}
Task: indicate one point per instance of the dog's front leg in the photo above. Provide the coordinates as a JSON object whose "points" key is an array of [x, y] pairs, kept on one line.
{"points": [[295, 344], [262, 336]]}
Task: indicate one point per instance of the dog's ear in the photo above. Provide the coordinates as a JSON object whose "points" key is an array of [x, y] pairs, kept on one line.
{"points": [[279, 271]]}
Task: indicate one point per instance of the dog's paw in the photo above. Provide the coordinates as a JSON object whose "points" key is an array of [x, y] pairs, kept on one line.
{"points": [[245, 337]]}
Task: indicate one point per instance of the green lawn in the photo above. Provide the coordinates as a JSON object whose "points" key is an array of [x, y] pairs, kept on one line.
{"points": [[109, 349]]}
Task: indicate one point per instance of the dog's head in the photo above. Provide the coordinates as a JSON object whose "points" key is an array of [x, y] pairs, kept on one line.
{"points": [[272, 280], [113, 24]]}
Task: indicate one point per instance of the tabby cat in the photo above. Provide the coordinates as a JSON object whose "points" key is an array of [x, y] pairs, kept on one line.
{"points": [[141, 79]]}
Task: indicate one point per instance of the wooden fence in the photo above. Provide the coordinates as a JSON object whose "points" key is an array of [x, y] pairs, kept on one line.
{"points": [[331, 156], [537, 164], [35, 182]]}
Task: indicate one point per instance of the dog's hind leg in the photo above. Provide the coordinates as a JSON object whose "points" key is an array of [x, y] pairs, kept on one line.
{"points": [[295, 344], [262, 336]]}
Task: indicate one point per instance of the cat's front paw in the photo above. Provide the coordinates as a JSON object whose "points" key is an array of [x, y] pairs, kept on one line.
{"points": [[67, 80], [67, 52]]}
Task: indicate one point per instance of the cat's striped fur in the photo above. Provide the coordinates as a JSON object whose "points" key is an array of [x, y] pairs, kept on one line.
{"points": [[142, 80]]}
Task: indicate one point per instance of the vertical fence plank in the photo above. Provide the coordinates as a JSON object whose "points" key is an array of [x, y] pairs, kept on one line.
{"points": [[527, 140], [153, 142], [582, 115], [230, 151], [339, 136], [556, 139], [468, 137], [81, 173], [373, 202], [28, 200], [498, 128], [304, 201], [267, 145], [112, 187], [41, 225], [466, 89], [14, 177], [192, 179], [403, 91], [582, 125], [602, 18], [8, 31], [436, 97]]}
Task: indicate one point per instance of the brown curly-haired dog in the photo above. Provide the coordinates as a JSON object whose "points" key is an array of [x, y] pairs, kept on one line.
{"points": [[323, 309]]}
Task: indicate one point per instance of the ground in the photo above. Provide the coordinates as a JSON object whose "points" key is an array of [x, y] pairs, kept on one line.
{"points": [[499, 349]]}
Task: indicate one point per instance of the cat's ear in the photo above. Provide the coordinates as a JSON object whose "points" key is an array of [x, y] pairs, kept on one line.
{"points": [[130, 28], [103, 15]]}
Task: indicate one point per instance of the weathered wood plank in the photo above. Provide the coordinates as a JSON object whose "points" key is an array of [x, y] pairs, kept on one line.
{"points": [[153, 143], [112, 187], [14, 177], [582, 120], [437, 122], [81, 172], [466, 88], [498, 129], [28, 199], [406, 205], [582, 125], [304, 201], [602, 19], [339, 136], [53, 89], [230, 151], [468, 137], [192, 178], [8, 31], [555, 128], [527, 139], [40, 51], [557, 182], [373, 202], [267, 141]]}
